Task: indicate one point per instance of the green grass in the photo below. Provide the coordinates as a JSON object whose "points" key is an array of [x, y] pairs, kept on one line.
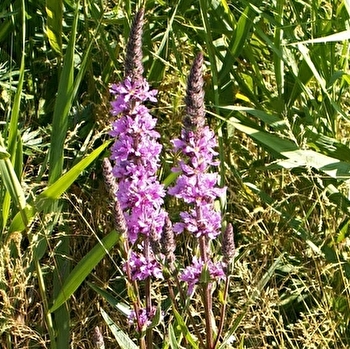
{"points": [[277, 97]]}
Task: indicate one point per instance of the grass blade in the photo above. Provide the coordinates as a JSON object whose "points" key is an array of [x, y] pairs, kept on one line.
{"points": [[56, 189], [62, 106], [54, 10], [260, 286], [13, 130], [185, 331]]}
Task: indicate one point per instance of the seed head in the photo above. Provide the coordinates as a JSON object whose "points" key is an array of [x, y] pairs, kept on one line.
{"points": [[98, 338]]}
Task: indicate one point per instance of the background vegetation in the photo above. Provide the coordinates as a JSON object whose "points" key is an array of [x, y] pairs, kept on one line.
{"points": [[277, 95]]}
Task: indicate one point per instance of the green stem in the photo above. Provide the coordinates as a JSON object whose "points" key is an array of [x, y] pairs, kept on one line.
{"points": [[149, 331], [207, 295], [48, 318], [186, 308], [223, 312]]}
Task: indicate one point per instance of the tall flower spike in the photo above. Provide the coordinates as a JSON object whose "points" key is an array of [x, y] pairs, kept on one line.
{"points": [[195, 112], [133, 60], [196, 186], [135, 153]]}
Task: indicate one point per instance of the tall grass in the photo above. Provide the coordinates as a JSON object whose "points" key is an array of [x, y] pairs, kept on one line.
{"points": [[277, 82]]}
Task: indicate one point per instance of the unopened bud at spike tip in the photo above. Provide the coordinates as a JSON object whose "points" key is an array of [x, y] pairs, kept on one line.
{"points": [[110, 182], [194, 100], [228, 244], [133, 60], [167, 241]]}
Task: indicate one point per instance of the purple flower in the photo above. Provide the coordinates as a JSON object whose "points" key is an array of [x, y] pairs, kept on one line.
{"points": [[192, 273], [130, 92], [143, 221], [197, 189], [195, 185], [135, 153], [141, 268], [208, 224], [144, 318], [198, 146]]}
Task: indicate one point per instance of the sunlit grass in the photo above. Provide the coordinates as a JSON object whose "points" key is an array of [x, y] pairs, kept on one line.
{"points": [[279, 109]]}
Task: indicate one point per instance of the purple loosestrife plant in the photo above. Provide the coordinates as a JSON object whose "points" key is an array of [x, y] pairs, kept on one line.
{"points": [[195, 185], [135, 154], [198, 188]]}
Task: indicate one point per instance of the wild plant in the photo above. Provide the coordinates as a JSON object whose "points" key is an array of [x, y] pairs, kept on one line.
{"points": [[149, 246]]}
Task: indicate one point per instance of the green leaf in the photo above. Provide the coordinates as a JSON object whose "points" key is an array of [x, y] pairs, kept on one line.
{"points": [[123, 308], [184, 329], [122, 338], [239, 39], [341, 36], [173, 341], [55, 190], [3, 153], [293, 156], [54, 10], [13, 129], [84, 267], [17, 224], [62, 106], [12, 183], [50, 194]]}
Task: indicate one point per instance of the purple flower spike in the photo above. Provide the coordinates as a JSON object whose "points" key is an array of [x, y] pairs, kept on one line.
{"points": [[138, 195], [135, 154], [195, 185]]}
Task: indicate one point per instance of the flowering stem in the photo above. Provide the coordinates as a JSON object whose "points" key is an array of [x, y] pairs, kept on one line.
{"points": [[184, 298], [133, 283], [207, 300], [203, 245]]}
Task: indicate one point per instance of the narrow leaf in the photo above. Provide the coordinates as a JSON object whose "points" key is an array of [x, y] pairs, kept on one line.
{"points": [[123, 308], [172, 338], [341, 36], [184, 329], [54, 10], [12, 183], [62, 106], [84, 267], [122, 338], [55, 190]]}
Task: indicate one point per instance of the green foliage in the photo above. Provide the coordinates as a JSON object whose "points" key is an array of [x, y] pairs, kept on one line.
{"points": [[277, 82]]}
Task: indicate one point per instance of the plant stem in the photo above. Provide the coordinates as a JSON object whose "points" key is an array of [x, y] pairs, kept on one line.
{"points": [[184, 298], [149, 331], [207, 296], [207, 301], [223, 312]]}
